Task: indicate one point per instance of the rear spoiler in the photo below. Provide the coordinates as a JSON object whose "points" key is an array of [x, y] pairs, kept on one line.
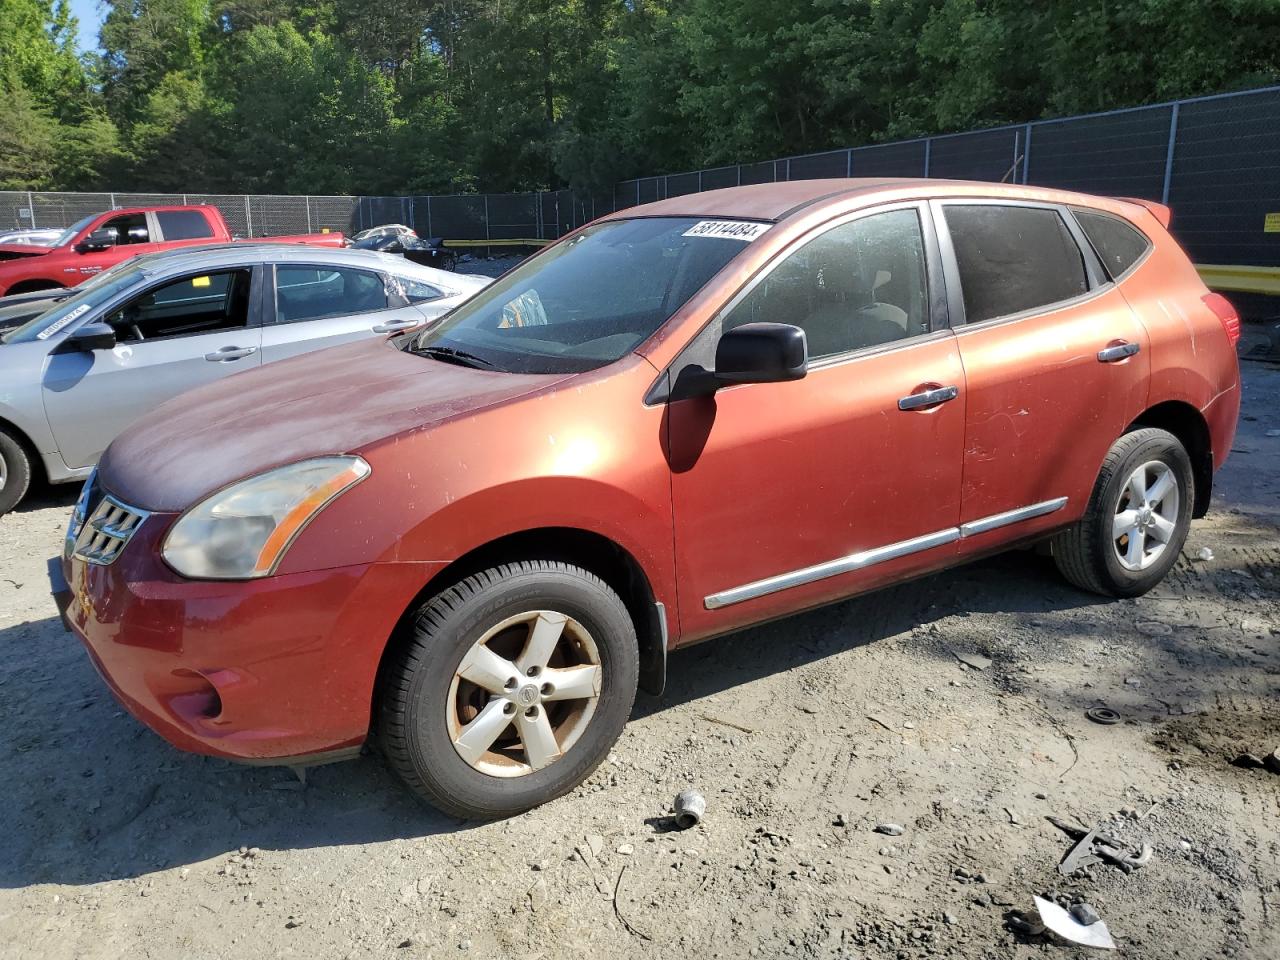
{"points": [[1157, 210]]}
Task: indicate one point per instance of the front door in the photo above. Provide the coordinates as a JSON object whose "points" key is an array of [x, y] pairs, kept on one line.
{"points": [[787, 495], [133, 233], [177, 335]]}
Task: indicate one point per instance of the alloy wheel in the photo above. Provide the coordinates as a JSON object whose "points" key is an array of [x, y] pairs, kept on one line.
{"points": [[1146, 515], [524, 693]]}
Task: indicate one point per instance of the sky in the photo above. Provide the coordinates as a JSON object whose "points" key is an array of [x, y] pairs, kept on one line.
{"points": [[90, 14]]}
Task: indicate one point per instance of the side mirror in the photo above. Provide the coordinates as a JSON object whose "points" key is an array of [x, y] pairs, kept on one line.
{"points": [[761, 353], [100, 239], [92, 336]]}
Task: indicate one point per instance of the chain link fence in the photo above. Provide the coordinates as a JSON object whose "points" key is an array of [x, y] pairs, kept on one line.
{"points": [[1215, 160]]}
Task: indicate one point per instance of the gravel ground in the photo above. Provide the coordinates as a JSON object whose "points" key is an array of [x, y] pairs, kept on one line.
{"points": [[804, 735]]}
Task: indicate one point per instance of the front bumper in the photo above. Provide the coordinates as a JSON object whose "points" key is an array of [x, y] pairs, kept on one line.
{"points": [[280, 668]]}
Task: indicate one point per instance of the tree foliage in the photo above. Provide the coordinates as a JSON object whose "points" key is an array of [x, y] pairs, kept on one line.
{"points": [[394, 96]]}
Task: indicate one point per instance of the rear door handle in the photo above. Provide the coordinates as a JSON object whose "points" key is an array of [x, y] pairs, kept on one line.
{"points": [[230, 353], [393, 325], [1117, 352], [928, 398]]}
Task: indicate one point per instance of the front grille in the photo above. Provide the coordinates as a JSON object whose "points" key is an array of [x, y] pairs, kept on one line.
{"points": [[109, 526]]}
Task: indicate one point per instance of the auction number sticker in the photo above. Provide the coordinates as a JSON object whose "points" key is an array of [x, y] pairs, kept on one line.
{"points": [[57, 325], [727, 230]]}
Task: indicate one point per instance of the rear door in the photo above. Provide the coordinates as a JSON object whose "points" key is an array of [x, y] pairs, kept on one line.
{"points": [[310, 306], [1055, 361], [176, 335], [184, 227]]}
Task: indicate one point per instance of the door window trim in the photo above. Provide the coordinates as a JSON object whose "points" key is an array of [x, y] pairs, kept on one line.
{"points": [[1095, 275], [270, 317], [1093, 211], [937, 301]]}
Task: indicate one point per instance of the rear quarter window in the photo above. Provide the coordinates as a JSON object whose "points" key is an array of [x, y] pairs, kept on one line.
{"points": [[1013, 259], [184, 225], [1118, 245]]}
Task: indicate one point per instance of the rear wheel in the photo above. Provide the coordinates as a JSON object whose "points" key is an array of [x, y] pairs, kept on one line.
{"points": [[1137, 519], [15, 471], [514, 686]]}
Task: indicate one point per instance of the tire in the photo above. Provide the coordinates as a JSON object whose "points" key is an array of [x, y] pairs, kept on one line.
{"points": [[15, 472], [1129, 565], [426, 704]]}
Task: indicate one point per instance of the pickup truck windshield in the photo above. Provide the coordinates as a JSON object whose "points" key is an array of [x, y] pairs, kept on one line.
{"points": [[83, 298], [588, 301], [69, 234]]}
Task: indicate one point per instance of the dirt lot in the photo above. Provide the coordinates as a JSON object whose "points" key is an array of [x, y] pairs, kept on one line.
{"points": [[804, 735]]}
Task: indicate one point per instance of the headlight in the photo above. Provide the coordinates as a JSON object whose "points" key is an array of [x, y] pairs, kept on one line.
{"points": [[242, 531]]}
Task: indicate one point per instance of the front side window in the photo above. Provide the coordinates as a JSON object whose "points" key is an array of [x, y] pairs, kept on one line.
{"points": [[130, 228], [1118, 245], [203, 303], [184, 225], [590, 300], [858, 285], [1013, 259], [313, 293]]}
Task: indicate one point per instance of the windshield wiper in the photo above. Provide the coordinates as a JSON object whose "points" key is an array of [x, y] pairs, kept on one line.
{"points": [[460, 357]]}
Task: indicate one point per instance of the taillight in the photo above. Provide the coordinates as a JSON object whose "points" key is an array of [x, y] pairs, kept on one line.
{"points": [[1221, 306]]}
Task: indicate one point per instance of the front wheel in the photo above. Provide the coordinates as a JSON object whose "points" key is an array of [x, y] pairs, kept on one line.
{"points": [[15, 472], [1137, 519], [511, 690]]}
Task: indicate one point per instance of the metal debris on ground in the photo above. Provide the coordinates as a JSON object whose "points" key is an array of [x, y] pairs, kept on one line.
{"points": [[1093, 848], [1272, 760], [889, 829], [1248, 761], [690, 807], [1062, 923], [1103, 715], [974, 660]]}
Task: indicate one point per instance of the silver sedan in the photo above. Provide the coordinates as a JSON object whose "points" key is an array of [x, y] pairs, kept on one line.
{"points": [[98, 356]]}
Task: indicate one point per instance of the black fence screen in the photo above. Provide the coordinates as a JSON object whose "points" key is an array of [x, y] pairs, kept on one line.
{"points": [[1215, 160]]}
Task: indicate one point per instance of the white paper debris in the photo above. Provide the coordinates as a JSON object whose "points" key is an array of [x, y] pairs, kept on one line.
{"points": [[1064, 925]]}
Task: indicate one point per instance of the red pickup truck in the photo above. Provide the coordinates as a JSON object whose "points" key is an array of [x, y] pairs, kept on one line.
{"points": [[104, 239]]}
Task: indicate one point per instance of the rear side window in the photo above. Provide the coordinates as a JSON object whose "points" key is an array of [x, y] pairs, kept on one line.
{"points": [[310, 293], [184, 225], [1013, 259], [1118, 245]]}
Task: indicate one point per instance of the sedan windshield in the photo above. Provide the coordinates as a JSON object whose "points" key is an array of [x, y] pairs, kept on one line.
{"points": [[66, 311], [588, 301]]}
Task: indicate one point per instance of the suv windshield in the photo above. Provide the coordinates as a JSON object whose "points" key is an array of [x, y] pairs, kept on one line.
{"points": [[588, 301], [83, 299]]}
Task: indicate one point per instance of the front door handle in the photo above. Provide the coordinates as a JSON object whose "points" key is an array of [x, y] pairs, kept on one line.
{"points": [[928, 398], [1117, 352], [393, 325], [230, 353]]}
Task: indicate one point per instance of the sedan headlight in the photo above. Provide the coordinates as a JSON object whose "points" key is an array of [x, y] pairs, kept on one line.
{"points": [[242, 531]]}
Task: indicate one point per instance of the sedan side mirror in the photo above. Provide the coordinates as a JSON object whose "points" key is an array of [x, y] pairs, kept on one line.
{"points": [[761, 353], [100, 239], [92, 336]]}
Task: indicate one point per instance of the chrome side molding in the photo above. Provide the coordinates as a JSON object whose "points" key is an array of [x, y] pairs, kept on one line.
{"points": [[1012, 516], [867, 558]]}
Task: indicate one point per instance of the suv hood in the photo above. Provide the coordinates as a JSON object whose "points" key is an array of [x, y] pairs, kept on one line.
{"points": [[333, 401]]}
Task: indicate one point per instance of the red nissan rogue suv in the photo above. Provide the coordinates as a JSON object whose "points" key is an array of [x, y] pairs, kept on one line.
{"points": [[470, 543]]}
